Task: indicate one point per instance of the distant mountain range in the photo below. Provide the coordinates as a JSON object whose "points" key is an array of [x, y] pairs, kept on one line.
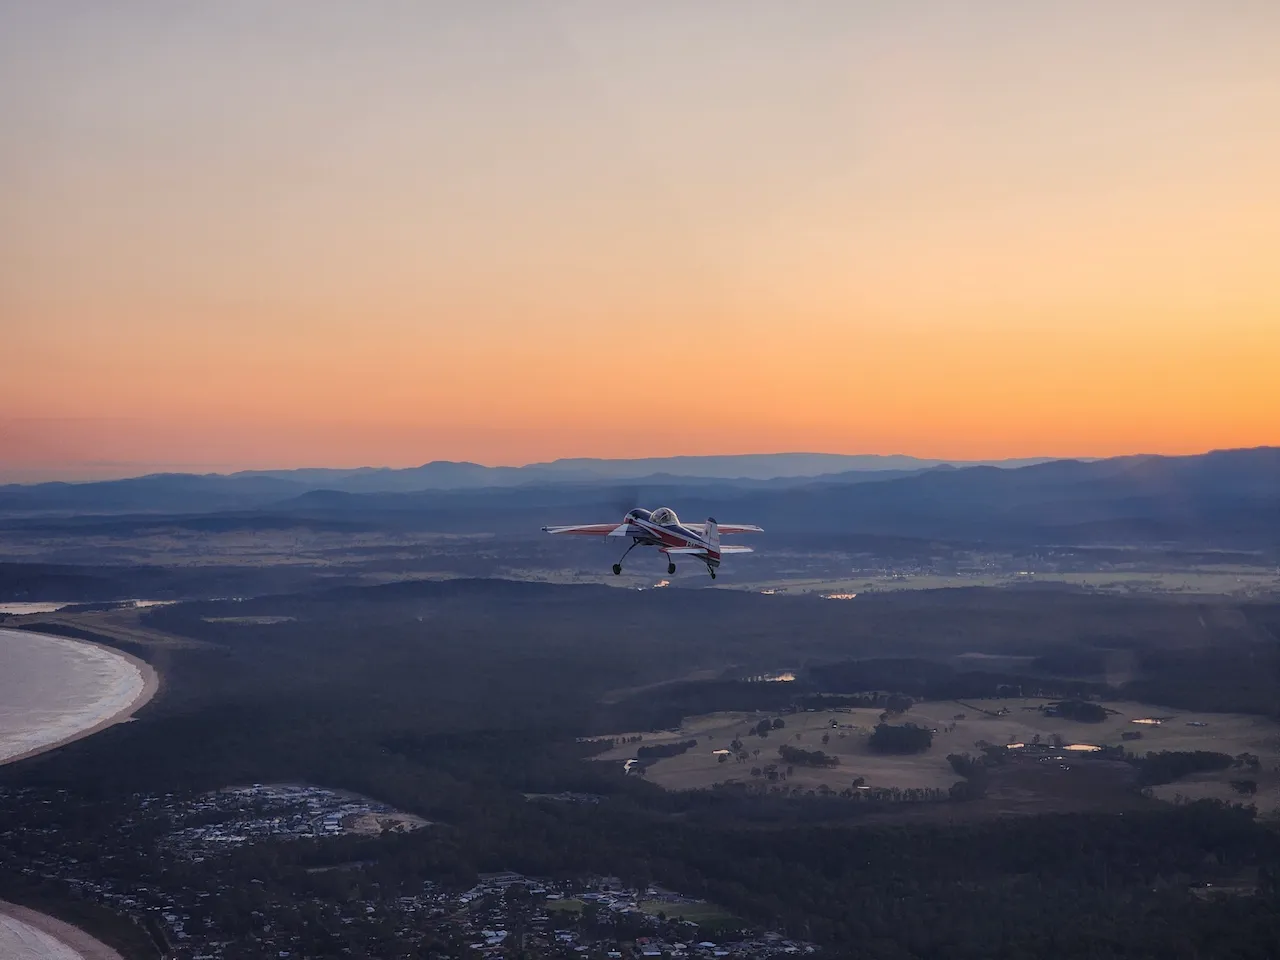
{"points": [[1228, 497], [450, 475], [181, 491]]}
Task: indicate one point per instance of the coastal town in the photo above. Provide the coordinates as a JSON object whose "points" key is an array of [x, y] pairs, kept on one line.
{"points": [[275, 811], [202, 876]]}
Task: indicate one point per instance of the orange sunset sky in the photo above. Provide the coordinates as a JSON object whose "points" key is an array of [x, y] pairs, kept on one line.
{"points": [[311, 232]]}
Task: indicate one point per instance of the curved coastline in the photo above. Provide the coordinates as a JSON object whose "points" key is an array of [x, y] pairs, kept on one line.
{"points": [[53, 939], [148, 684]]}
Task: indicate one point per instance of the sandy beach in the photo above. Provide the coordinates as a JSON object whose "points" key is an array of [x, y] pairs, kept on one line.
{"points": [[139, 682], [28, 935]]}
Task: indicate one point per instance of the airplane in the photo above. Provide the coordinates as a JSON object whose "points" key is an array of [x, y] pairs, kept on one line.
{"points": [[664, 530]]}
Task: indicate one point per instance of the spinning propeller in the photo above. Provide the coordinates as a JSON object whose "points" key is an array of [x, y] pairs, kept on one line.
{"points": [[624, 501]]}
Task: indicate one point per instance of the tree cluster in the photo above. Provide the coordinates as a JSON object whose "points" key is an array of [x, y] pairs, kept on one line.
{"points": [[1167, 766], [907, 738], [798, 756], [658, 751], [1082, 711]]}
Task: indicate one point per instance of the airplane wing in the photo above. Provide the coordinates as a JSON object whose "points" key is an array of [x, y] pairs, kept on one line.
{"points": [[599, 530], [701, 528], [702, 551]]}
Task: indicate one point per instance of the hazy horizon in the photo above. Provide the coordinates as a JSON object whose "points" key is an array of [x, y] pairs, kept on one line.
{"points": [[88, 473], [34, 435]]}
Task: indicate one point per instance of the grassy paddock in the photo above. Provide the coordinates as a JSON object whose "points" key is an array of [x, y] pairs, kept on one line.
{"points": [[703, 914], [570, 905], [1229, 733]]}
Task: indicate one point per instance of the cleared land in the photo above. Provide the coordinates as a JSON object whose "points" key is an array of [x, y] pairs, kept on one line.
{"points": [[1216, 581], [374, 824], [264, 621], [701, 913], [568, 905], [123, 624], [960, 728]]}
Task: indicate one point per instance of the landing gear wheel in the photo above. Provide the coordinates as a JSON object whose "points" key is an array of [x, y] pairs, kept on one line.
{"points": [[617, 569], [671, 568], [713, 573]]}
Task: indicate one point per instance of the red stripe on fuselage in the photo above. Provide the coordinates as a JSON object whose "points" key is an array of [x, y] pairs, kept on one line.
{"points": [[669, 537]]}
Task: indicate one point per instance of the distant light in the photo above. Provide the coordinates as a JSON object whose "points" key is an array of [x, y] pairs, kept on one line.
{"points": [[838, 596]]}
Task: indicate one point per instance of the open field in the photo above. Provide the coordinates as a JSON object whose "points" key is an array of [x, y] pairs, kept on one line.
{"points": [[701, 913], [960, 727], [263, 621], [1231, 582], [170, 543], [1217, 786], [375, 824], [122, 624], [1243, 583], [568, 905], [248, 555]]}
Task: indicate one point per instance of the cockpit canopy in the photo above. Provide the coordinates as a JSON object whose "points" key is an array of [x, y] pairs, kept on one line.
{"points": [[664, 516]]}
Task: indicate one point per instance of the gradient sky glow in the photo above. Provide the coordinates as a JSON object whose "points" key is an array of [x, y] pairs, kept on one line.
{"points": [[311, 232]]}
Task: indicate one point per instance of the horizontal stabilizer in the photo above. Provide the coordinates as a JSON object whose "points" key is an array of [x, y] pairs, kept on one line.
{"points": [[734, 548], [598, 529], [701, 528]]}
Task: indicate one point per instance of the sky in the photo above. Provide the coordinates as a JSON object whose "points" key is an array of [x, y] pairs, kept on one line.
{"points": [[310, 232]]}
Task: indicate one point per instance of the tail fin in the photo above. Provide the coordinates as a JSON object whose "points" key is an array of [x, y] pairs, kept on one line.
{"points": [[713, 534]]}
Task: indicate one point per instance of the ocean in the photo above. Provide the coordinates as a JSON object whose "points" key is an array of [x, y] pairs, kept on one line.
{"points": [[18, 941], [52, 688]]}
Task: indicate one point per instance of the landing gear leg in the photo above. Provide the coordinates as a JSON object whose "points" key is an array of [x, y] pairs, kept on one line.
{"points": [[671, 569], [712, 571], [617, 567]]}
